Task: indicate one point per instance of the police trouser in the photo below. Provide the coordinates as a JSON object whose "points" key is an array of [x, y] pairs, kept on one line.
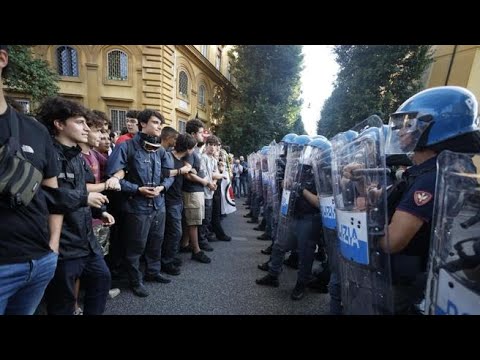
{"points": [[409, 281], [267, 215], [255, 206], [302, 236]]}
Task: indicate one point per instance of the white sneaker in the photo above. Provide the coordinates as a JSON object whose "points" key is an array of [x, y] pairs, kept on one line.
{"points": [[78, 311], [113, 292]]}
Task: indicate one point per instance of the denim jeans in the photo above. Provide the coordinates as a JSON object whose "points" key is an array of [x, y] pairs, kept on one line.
{"points": [[22, 285], [236, 186], [243, 184], [173, 232]]}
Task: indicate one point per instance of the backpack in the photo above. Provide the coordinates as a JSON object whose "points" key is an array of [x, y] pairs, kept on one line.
{"points": [[19, 178]]}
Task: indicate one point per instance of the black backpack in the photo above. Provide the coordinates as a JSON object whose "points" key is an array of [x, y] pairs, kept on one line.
{"points": [[19, 178]]}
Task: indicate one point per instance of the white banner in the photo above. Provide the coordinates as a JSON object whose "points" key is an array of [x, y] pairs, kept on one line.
{"points": [[228, 199]]}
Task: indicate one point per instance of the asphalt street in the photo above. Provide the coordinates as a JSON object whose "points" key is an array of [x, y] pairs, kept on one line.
{"points": [[226, 286]]}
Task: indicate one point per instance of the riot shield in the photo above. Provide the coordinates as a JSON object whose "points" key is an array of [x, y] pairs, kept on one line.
{"points": [[265, 174], [453, 285], [272, 191], [359, 188], [290, 194], [251, 173], [322, 170]]}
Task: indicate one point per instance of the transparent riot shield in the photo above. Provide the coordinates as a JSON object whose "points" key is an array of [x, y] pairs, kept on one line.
{"points": [[322, 170], [289, 193], [453, 285], [251, 173], [265, 175], [272, 186], [359, 188], [277, 156]]}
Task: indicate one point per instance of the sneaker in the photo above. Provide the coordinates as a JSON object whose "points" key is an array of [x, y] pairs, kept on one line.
{"points": [[206, 247], [298, 291], [156, 278], [140, 290], [201, 257], [78, 311], [225, 238], [113, 293], [268, 280]]}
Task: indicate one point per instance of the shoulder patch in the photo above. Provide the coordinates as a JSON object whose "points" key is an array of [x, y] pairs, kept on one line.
{"points": [[422, 197]]}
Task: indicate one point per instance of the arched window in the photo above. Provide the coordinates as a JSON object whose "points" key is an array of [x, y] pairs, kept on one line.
{"points": [[183, 84], [117, 62], [67, 61], [201, 95]]}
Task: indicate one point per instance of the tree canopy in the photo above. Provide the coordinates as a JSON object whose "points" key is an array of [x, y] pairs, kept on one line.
{"points": [[266, 104], [373, 79], [29, 75]]}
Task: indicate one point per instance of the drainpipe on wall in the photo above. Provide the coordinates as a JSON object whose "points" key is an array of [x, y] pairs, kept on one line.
{"points": [[451, 64]]}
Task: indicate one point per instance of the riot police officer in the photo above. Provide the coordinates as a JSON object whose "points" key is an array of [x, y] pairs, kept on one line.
{"points": [[436, 119]]}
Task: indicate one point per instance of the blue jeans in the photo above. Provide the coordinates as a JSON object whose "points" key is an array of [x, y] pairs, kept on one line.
{"points": [[236, 186], [22, 285], [243, 184]]}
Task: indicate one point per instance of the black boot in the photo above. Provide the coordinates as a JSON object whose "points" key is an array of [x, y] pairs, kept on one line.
{"points": [[268, 280], [267, 251], [298, 291]]}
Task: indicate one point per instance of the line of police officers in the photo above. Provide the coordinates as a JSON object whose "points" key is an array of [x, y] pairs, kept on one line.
{"points": [[396, 207]]}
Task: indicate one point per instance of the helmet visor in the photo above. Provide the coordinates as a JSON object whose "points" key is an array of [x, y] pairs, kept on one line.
{"points": [[404, 132]]}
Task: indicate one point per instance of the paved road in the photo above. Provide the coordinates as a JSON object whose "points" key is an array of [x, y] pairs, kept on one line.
{"points": [[226, 286]]}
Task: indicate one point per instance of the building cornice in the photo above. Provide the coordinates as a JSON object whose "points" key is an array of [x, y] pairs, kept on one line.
{"points": [[116, 99], [192, 53]]}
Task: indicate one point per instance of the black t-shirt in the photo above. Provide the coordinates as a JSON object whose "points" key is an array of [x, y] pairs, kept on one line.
{"points": [[25, 233], [174, 193], [190, 186]]}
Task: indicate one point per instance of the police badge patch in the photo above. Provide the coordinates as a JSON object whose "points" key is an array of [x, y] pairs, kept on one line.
{"points": [[422, 197]]}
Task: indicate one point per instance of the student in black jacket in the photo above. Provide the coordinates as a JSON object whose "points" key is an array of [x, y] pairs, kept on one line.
{"points": [[80, 253]]}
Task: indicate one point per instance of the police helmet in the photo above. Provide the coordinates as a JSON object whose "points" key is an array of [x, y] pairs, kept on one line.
{"points": [[343, 138], [431, 117], [289, 138], [301, 140]]}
